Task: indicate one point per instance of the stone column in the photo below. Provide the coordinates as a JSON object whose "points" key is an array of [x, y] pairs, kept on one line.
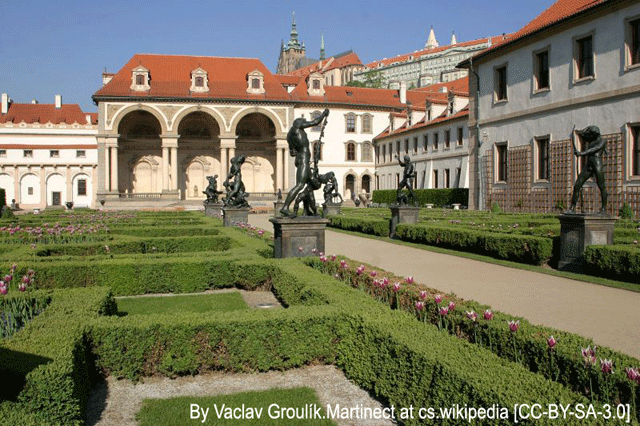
{"points": [[227, 152], [169, 164], [114, 169], [69, 182], [282, 167], [16, 185], [43, 187], [110, 144]]}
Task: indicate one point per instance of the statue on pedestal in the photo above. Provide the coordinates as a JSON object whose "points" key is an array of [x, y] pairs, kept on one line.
{"points": [[299, 148], [330, 189], [236, 197], [596, 147], [407, 181], [211, 191]]}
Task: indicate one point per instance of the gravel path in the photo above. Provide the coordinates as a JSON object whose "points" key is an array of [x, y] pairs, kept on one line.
{"points": [[116, 402]]}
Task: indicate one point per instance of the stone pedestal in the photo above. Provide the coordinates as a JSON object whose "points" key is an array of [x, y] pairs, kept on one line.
{"points": [[232, 215], [277, 205], [577, 231], [402, 214], [331, 209], [212, 209], [301, 232]]}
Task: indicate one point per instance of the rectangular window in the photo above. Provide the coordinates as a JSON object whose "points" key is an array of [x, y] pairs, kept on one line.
{"points": [[81, 153], [200, 81], [542, 145], [415, 144], [384, 153], [542, 70], [30, 190], [435, 179], [140, 80], [316, 84], [82, 187], [447, 139], [635, 153], [54, 153], [460, 136], [436, 136], [634, 42], [501, 162], [315, 115], [500, 84], [426, 141], [27, 153], [447, 178], [398, 147], [3, 152], [406, 146], [584, 58]]}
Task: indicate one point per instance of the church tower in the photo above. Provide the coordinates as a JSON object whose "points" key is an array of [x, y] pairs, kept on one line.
{"points": [[431, 41], [292, 53]]}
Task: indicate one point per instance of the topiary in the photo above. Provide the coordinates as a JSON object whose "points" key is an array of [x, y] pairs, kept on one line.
{"points": [[625, 212]]}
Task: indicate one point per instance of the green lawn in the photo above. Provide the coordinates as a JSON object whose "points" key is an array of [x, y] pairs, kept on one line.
{"points": [[264, 408], [199, 303]]}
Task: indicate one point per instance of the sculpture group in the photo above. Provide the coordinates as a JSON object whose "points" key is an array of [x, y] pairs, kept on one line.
{"points": [[593, 167], [236, 195], [308, 177]]}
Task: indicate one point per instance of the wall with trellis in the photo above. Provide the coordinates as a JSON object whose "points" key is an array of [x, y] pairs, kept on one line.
{"points": [[519, 194]]}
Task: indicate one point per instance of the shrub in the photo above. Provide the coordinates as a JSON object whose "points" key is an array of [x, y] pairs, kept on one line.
{"points": [[437, 197], [365, 225], [620, 262], [625, 212]]}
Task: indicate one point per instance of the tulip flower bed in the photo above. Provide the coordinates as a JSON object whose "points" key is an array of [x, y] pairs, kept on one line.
{"points": [[551, 353], [403, 360]]}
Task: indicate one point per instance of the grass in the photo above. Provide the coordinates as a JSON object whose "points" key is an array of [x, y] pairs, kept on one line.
{"points": [[226, 409], [200, 303]]}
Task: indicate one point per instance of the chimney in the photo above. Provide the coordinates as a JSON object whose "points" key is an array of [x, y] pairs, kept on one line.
{"points": [[34, 101], [403, 92], [58, 101], [88, 118], [5, 103]]}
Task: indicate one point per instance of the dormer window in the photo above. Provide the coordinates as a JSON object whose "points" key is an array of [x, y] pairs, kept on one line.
{"points": [[315, 84], [140, 79], [199, 81], [255, 82]]}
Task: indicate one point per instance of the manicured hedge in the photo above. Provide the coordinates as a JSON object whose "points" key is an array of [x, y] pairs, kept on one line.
{"points": [[50, 356], [519, 248], [437, 197], [144, 246], [155, 231], [365, 225], [619, 261]]}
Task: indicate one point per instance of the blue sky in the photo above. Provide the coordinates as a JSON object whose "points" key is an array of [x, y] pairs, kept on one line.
{"points": [[62, 47]]}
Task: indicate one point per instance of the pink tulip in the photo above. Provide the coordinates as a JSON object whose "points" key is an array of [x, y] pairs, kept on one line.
{"points": [[419, 306], [396, 287], [344, 264], [514, 325], [333, 257], [409, 280], [633, 374], [374, 273], [606, 365], [452, 306], [300, 249], [313, 251], [8, 278], [438, 298], [589, 355], [423, 295], [385, 281], [3, 290], [26, 279], [323, 259], [22, 287], [472, 315], [443, 311], [488, 315], [551, 342], [319, 254]]}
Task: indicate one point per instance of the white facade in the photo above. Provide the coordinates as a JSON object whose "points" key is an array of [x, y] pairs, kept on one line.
{"points": [[527, 113], [46, 164]]}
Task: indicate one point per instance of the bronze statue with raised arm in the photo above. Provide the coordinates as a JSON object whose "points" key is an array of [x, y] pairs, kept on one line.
{"points": [[299, 148], [596, 146], [407, 180]]}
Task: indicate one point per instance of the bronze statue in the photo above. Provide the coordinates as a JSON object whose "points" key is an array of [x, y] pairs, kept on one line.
{"points": [[299, 148], [211, 191], [406, 182], [236, 197], [596, 146], [330, 189], [279, 195]]}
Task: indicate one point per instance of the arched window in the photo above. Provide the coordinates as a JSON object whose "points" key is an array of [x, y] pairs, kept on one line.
{"points": [[351, 151], [366, 152], [350, 123], [366, 124]]}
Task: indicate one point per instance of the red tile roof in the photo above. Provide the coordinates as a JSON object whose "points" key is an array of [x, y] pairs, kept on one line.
{"points": [[557, 12], [423, 124], [414, 55], [45, 113], [171, 77], [288, 80], [331, 63], [458, 87]]}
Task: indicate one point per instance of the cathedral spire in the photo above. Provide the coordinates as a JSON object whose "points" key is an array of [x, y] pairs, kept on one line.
{"points": [[322, 57], [293, 40], [453, 38], [431, 41]]}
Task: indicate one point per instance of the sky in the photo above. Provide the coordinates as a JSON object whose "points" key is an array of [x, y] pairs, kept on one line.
{"points": [[62, 47]]}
